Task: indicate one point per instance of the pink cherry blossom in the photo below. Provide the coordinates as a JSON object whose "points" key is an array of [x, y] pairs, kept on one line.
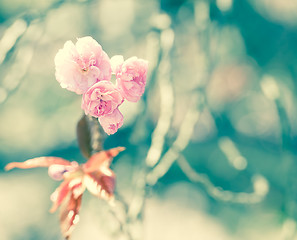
{"points": [[101, 99], [131, 76], [112, 122], [80, 66]]}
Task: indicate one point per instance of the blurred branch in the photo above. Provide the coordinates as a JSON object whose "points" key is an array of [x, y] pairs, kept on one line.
{"points": [[165, 118], [20, 65], [11, 37], [232, 153], [279, 96], [260, 186], [14, 33], [12, 42], [179, 144], [162, 75], [124, 227]]}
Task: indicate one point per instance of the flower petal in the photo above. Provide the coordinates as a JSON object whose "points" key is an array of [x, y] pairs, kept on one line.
{"points": [[112, 122], [80, 66], [38, 162], [101, 159], [131, 79], [101, 99]]}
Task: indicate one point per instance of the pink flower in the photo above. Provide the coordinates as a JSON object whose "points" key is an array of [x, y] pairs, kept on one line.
{"points": [[131, 76], [101, 99], [112, 122], [81, 65]]}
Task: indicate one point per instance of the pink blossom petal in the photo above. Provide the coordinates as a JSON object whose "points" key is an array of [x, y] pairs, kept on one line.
{"points": [[101, 99], [81, 65], [131, 78], [112, 122]]}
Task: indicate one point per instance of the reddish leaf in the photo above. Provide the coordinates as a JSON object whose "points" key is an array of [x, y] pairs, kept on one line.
{"points": [[59, 195], [69, 214], [84, 137], [73, 184], [101, 183], [37, 162], [102, 158]]}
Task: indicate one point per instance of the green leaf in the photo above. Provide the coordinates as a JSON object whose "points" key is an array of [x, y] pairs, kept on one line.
{"points": [[84, 137]]}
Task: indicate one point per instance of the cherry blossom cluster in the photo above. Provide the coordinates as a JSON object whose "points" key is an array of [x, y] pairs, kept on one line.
{"points": [[84, 68]]}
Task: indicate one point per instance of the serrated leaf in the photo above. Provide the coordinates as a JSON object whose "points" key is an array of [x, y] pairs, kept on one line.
{"points": [[84, 137], [101, 183], [37, 162], [69, 214], [72, 183], [59, 195]]}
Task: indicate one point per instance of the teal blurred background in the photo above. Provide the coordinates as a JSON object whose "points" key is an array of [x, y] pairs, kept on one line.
{"points": [[211, 147]]}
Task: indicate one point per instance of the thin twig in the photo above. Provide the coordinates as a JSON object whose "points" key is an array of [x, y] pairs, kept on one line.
{"points": [[247, 198], [164, 80], [122, 224], [165, 118], [179, 144]]}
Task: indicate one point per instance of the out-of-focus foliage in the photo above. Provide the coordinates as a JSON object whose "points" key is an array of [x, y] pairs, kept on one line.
{"points": [[211, 148]]}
